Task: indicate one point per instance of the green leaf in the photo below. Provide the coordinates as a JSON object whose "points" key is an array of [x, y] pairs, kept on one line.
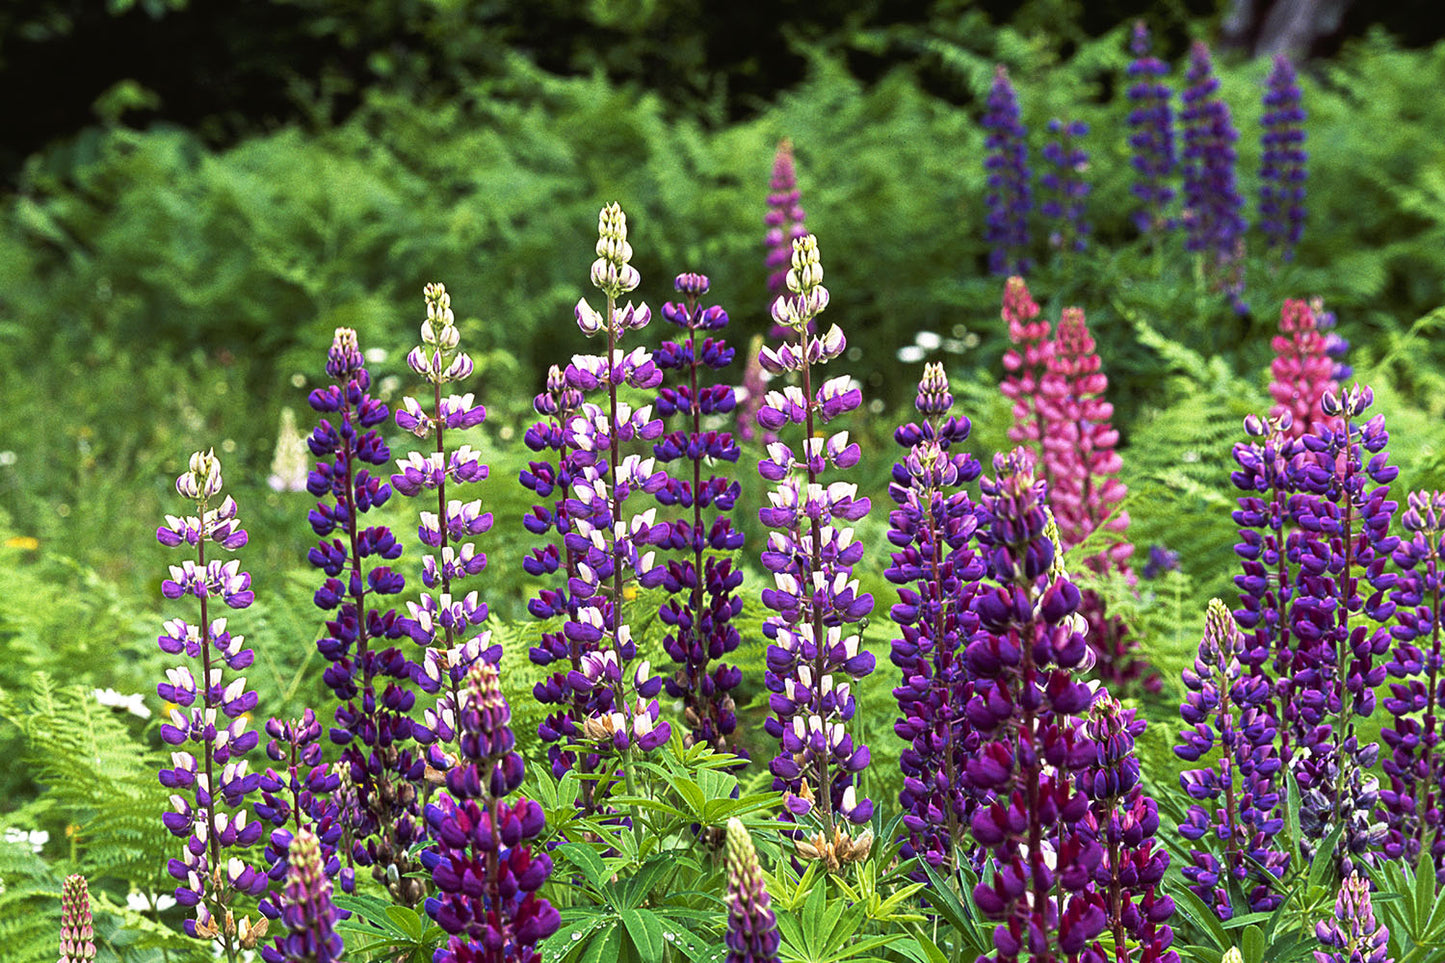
{"points": [[586, 860], [406, 920], [1324, 858], [1252, 947], [1424, 892], [605, 946], [645, 929], [921, 950], [1201, 915]]}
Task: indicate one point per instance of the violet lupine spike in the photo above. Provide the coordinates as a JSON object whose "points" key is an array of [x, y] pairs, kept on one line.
{"points": [[1344, 513], [816, 653], [1151, 122], [1302, 371], [1213, 210], [703, 580], [446, 619], [1024, 366], [1010, 194], [623, 710], [307, 912], [486, 874], [1125, 822], [1064, 186], [367, 673], [77, 934], [1336, 346], [1237, 811], [784, 223], [752, 935], [1416, 765], [936, 570], [1026, 701], [1282, 171], [1352, 935], [207, 730]]}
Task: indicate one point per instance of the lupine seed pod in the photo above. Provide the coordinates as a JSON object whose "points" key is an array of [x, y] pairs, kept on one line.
{"points": [[1282, 161], [1352, 935], [77, 935], [307, 912], [1010, 194], [1151, 122], [1213, 217], [752, 935]]}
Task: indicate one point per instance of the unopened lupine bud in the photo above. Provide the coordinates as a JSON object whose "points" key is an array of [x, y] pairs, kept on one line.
{"points": [[752, 935], [77, 935]]}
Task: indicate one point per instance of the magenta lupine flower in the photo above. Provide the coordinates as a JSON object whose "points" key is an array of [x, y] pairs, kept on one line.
{"points": [[1236, 812], [307, 912], [480, 860], [703, 581], [1353, 936], [755, 388], [1213, 217], [1025, 704], [1024, 366], [1064, 186], [1416, 765], [1010, 194], [936, 570], [784, 222], [1151, 122], [1125, 821], [1282, 161], [207, 730], [367, 673], [77, 934], [1302, 370], [816, 653], [623, 712], [447, 616], [752, 935]]}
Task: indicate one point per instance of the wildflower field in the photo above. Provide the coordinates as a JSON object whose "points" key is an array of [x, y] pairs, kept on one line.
{"points": [[981, 502]]}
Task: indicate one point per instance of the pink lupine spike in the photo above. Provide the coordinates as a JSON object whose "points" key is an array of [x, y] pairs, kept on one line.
{"points": [[1302, 370]]}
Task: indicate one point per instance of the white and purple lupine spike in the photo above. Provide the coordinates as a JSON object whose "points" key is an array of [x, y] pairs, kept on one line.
{"points": [[308, 915], [1213, 209], [752, 935], [77, 933], [817, 652], [447, 619], [1237, 809], [207, 728], [1026, 702], [1010, 194], [1064, 186], [366, 671], [1282, 159], [1416, 764], [701, 578], [936, 570], [1151, 138], [1352, 935]]}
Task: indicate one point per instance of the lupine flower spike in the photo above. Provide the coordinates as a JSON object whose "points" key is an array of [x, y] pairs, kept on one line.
{"points": [[77, 935], [448, 615], [1151, 122], [936, 569], [1010, 194], [1302, 370], [752, 935], [307, 912], [702, 580], [1282, 161], [1064, 186], [1024, 366], [784, 222], [1352, 935], [367, 673], [1213, 209], [1026, 704], [816, 654], [207, 730]]}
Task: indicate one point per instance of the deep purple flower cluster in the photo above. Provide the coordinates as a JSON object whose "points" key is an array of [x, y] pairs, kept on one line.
{"points": [[307, 912], [936, 570], [1151, 122], [1353, 936], [367, 674], [702, 581], [1416, 765], [1065, 187], [816, 652], [1237, 806], [1213, 209], [1282, 161], [209, 785], [752, 935], [1160, 559], [1010, 194], [1025, 703], [481, 862]]}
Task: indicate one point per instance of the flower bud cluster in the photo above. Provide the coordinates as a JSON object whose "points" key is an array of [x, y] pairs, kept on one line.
{"points": [[1063, 180], [77, 933], [1151, 122], [307, 912], [1213, 209], [1010, 194], [1282, 161], [752, 935], [1352, 935]]}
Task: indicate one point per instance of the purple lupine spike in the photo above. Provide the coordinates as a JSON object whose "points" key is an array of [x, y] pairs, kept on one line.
{"points": [[816, 653], [480, 861], [623, 714], [1336, 347], [1237, 809], [1125, 822], [932, 528], [446, 619], [752, 935], [77, 934], [1282, 171], [1416, 765], [1010, 194], [1025, 704], [784, 222], [703, 581], [1353, 936], [366, 672], [1213, 210], [1064, 185], [1161, 559], [1151, 122], [1344, 513], [209, 785], [1302, 371], [307, 913]]}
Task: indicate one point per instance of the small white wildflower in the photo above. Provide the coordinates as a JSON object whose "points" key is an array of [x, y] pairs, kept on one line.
{"points": [[134, 704]]}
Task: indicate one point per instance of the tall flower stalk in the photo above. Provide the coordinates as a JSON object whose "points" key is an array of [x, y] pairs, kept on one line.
{"points": [[752, 935], [207, 729], [1302, 370], [816, 652], [307, 912], [1282, 171], [1213, 208], [1010, 191], [77, 934], [784, 221], [1151, 138], [1352, 935], [1024, 366], [1064, 186], [702, 581]]}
